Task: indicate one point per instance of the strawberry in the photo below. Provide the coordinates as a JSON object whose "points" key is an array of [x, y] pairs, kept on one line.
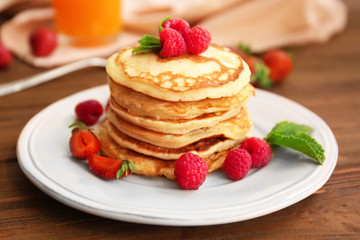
{"points": [[251, 61], [280, 64], [83, 142], [243, 50], [109, 168], [259, 72], [43, 41]]}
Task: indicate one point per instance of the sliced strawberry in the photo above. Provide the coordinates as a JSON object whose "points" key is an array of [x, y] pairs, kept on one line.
{"points": [[83, 142], [110, 168]]}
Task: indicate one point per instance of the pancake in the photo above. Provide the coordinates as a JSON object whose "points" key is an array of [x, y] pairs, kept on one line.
{"points": [[204, 147], [217, 72], [161, 108], [233, 128], [146, 165], [146, 106], [179, 126]]}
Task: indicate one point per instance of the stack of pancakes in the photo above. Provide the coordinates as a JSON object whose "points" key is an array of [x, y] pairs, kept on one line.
{"points": [[161, 108]]}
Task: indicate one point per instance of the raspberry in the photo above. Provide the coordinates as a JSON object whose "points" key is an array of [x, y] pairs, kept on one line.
{"points": [[89, 111], [197, 40], [43, 41], [259, 150], [190, 171], [237, 164], [173, 44], [5, 57], [177, 24]]}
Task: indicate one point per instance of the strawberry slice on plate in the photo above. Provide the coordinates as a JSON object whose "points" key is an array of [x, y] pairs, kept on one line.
{"points": [[83, 142], [109, 168]]}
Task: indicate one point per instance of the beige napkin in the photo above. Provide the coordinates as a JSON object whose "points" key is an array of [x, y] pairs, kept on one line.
{"points": [[263, 24], [266, 24]]}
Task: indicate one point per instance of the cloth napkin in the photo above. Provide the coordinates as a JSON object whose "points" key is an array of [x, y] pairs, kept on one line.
{"points": [[262, 24]]}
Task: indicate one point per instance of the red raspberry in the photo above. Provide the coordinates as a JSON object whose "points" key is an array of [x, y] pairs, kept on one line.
{"points": [[43, 41], [173, 44], [190, 171], [259, 150], [197, 40], [89, 111], [177, 24], [5, 57], [237, 164]]}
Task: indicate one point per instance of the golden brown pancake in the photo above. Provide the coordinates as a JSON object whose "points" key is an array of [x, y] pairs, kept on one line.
{"points": [[146, 165], [177, 126], [217, 72], [234, 128], [143, 105], [204, 147]]}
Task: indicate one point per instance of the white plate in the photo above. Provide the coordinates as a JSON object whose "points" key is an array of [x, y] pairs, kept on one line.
{"points": [[45, 159]]}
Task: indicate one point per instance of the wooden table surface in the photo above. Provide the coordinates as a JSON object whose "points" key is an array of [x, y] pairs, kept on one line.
{"points": [[325, 79]]}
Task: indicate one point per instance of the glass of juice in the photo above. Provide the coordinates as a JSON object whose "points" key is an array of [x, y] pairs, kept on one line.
{"points": [[88, 22]]}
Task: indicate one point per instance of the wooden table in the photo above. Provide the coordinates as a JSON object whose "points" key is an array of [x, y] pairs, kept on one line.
{"points": [[326, 80]]}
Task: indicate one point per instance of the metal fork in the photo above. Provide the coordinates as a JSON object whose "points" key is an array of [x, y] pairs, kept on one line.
{"points": [[21, 84]]}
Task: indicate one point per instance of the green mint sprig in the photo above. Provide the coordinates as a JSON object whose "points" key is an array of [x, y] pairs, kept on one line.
{"points": [[296, 137], [147, 44]]}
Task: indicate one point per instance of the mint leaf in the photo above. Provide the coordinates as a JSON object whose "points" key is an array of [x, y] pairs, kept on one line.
{"points": [[296, 137], [290, 127], [147, 44]]}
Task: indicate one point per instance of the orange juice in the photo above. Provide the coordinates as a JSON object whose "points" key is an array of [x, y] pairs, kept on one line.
{"points": [[88, 22]]}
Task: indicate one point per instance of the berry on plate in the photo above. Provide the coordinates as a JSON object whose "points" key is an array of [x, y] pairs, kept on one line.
{"points": [[83, 142], [5, 57], [172, 43], [237, 164], [190, 171], [280, 64], [197, 39], [259, 149], [43, 41], [109, 168], [89, 111]]}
